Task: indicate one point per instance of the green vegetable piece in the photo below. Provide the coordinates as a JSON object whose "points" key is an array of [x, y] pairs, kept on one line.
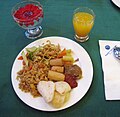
{"points": [[68, 58], [68, 52], [32, 49], [24, 58], [30, 55]]}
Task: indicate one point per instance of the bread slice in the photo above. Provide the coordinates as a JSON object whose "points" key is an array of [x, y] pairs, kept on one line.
{"points": [[46, 89], [62, 87]]}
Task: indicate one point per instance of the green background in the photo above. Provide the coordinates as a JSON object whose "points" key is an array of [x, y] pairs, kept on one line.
{"points": [[58, 22]]}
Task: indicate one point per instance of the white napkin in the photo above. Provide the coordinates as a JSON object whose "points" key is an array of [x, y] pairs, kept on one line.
{"points": [[111, 69]]}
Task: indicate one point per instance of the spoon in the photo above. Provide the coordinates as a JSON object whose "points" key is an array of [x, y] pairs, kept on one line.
{"points": [[116, 52]]}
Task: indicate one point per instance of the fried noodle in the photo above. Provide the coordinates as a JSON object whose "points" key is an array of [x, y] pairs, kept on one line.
{"points": [[37, 68]]}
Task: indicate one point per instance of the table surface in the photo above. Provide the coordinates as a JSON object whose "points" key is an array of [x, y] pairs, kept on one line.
{"points": [[58, 22]]}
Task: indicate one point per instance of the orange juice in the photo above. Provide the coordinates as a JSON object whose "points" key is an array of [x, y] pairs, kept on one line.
{"points": [[83, 23]]}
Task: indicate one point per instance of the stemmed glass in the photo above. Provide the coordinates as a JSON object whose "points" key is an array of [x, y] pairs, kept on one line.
{"points": [[29, 15]]}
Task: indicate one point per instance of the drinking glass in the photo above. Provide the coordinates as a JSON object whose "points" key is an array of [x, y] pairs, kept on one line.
{"points": [[28, 14], [83, 21]]}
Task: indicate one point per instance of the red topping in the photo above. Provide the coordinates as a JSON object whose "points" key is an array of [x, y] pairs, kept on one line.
{"points": [[27, 14], [20, 58]]}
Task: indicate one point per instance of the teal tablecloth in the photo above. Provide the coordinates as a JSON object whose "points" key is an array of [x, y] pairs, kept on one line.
{"points": [[58, 22]]}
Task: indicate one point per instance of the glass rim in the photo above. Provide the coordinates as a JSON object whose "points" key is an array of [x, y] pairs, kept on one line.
{"points": [[27, 2]]}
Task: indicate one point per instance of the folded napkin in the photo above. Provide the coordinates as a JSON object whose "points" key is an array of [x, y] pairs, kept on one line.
{"points": [[111, 69]]}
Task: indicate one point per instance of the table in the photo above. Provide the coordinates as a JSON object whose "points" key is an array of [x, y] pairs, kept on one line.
{"points": [[58, 22]]}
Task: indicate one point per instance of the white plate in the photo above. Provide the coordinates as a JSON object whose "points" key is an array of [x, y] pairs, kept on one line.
{"points": [[76, 94], [116, 2]]}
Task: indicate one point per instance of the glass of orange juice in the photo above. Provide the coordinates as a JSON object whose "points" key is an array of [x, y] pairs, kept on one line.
{"points": [[83, 21]]}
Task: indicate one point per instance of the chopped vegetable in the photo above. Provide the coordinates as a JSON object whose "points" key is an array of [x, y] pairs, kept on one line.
{"points": [[30, 55], [32, 49], [68, 63], [76, 60], [68, 58], [24, 58], [23, 62], [68, 52], [62, 53], [30, 67], [20, 58]]}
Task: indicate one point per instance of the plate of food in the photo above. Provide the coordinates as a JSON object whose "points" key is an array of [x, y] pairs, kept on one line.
{"points": [[116, 2], [52, 73]]}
